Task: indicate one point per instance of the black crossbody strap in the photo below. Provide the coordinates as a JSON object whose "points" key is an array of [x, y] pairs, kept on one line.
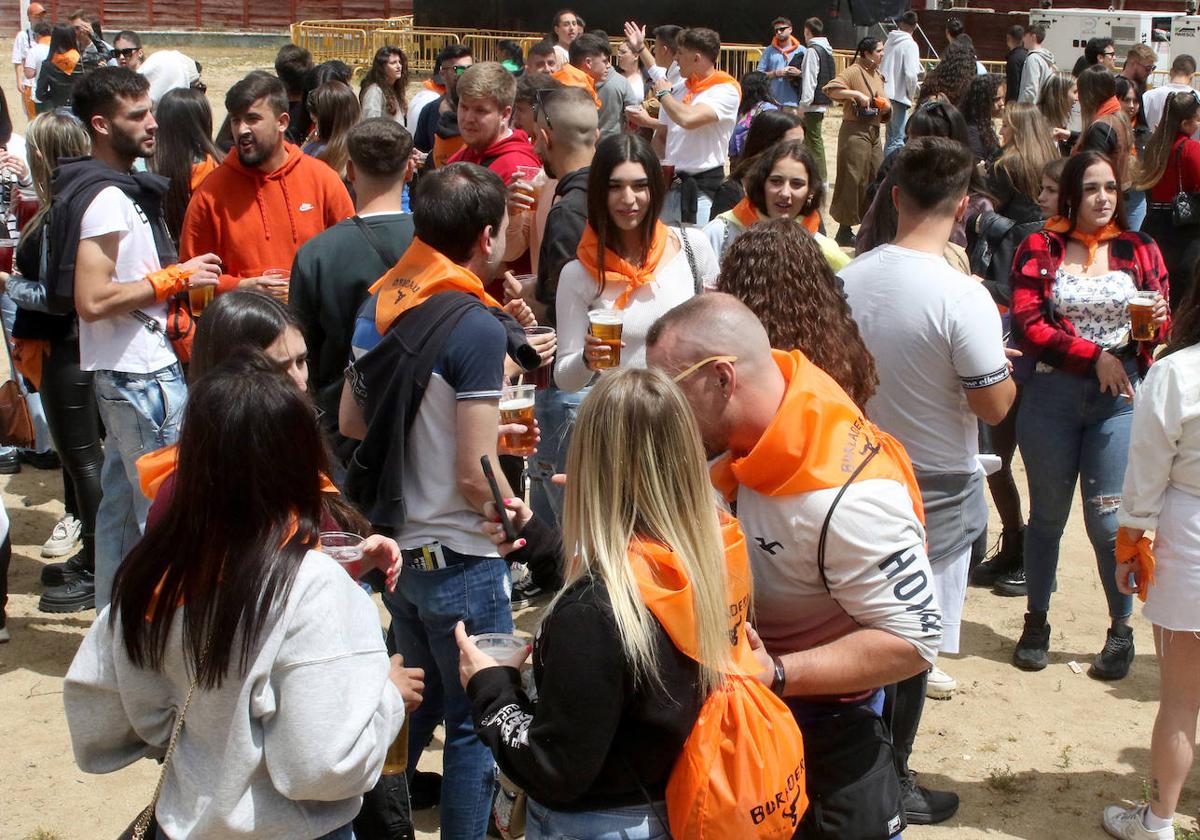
{"points": [[374, 241], [829, 516]]}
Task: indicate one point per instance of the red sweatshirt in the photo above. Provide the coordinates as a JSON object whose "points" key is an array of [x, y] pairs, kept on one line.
{"points": [[254, 220]]}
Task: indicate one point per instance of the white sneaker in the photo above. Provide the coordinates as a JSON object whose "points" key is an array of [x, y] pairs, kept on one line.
{"points": [[63, 538], [940, 686], [4, 635], [1127, 824]]}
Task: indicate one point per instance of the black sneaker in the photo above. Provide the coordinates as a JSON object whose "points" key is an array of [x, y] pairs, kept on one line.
{"points": [[47, 460], [923, 806], [845, 237], [1012, 584], [424, 790], [1034, 644], [73, 596], [56, 574], [524, 590], [1007, 559], [1113, 662]]}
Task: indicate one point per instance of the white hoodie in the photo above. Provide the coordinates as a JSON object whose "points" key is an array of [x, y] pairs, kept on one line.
{"points": [[901, 67], [1039, 66]]}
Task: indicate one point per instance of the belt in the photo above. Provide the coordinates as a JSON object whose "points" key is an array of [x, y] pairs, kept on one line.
{"points": [[430, 557], [1162, 205]]}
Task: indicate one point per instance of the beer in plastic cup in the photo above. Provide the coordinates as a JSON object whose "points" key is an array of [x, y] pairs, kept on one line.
{"points": [[346, 548], [396, 761], [516, 406], [528, 175], [540, 378], [200, 297], [499, 646], [278, 292], [1141, 317], [606, 325]]}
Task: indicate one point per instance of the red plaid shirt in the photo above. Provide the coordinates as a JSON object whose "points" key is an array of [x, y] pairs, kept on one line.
{"points": [[1047, 335]]}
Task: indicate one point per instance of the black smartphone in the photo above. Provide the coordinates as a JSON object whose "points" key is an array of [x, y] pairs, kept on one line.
{"points": [[510, 532]]}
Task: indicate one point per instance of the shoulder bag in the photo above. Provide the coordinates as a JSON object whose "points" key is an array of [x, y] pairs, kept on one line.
{"points": [[16, 426], [1184, 212]]}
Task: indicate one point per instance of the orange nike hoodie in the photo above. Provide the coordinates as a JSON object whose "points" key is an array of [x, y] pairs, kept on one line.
{"points": [[254, 220]]}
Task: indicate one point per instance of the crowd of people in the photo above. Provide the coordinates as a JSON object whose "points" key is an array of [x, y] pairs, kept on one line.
{"points": [[734, 459]]}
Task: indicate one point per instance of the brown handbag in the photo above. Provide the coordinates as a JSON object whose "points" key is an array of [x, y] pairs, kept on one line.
{"points": [[16, 426]]}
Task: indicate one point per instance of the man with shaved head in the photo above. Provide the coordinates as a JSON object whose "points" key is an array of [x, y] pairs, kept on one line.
{"points": [[844, 598]]}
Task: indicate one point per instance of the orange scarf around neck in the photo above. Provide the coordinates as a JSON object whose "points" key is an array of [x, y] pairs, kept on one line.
{"points": [[618, 269], [436, 87], [816, 441], [667, 593], [422, 273], [787, 49], [572, 76], [697, 86], [1112, 105], [746, 213], [156, 467], [45, 39], [1091, 241], [66, 62]]}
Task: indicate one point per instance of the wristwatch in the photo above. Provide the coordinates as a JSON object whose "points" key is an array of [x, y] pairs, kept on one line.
{"points": [[659, 94], [780, 679]]}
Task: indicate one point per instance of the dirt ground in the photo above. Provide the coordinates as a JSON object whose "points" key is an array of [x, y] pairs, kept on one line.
{"points": [[1033, 756]]}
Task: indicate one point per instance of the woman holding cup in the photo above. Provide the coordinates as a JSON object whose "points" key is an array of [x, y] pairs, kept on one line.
{"points": [[630, 267], [1072, 285]]}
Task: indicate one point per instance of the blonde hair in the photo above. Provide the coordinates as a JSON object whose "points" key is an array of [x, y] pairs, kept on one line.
{"points": [[1029, 149], [1054, 99], [488, 80], [51, 137], [636, 472]]}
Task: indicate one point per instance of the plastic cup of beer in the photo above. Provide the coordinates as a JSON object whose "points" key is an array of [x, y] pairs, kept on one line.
{"points": [[1141, 317], [346, 548], [516, 406], [200, 297], [396, 761], [278, 274], [527, 175], [540, 378], [606, 325], [499, 646]]}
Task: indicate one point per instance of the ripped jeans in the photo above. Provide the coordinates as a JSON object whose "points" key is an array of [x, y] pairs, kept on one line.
{"points": [[1071, 433]]}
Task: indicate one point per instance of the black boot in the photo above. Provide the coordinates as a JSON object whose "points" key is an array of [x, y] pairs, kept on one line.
{"points": [[1113, 662], [1034, 643], [845, 237], [76, 595], [1008, 559], [56, 574]]}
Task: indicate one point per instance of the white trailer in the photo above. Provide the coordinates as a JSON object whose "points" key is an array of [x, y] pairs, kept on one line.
{"points": [[1068, 31]]}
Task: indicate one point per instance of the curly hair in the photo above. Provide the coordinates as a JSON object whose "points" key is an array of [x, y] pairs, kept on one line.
{"points": [[777, 269], [952, 74], [395, 97], [756, 88], [760, 172], [977, 111]]}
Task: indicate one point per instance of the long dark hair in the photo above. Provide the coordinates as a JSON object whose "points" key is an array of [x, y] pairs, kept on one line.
{"points": [[766, 129], [611, 152], [1182, 105], [337, 111], [1185, 320], [756, 88], [756, 177], [866, 45], [395, 100], [184, 138], [952, 74], [778, 270], [977, 111], [1070, 187], [245, 510], [62, 40]]}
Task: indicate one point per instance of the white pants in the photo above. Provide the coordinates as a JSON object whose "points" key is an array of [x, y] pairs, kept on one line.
{"points": [[950, 587]]}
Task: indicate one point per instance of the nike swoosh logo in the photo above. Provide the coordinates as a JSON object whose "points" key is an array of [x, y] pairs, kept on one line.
{"points": [[304, 208]]}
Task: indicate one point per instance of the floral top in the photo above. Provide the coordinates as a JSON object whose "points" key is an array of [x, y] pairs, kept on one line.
{"points": [[1097, 306]]}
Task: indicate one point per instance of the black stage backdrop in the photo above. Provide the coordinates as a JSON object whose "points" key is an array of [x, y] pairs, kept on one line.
{"points": [[741, 22]]}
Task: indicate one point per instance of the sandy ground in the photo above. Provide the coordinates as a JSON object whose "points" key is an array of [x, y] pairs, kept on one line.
{"points": [[1033, 756]]}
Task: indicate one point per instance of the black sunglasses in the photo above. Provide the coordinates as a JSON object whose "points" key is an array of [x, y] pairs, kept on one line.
{"points": [[779, 29], [125, 52], [539, 106]]}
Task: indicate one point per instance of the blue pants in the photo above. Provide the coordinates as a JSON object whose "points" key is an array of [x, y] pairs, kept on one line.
{"points": [[896, 127], [1135, 208], [635, 822], [141, 412], [1070, 432], [556, 413], [425, 607]]}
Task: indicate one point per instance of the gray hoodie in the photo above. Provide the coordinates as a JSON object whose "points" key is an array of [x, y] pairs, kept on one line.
{"points": [[1039, 65], [284, 752]]}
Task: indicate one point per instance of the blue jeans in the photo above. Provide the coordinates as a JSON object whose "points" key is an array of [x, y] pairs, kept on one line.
{"points": [[425, 607], [635, 822], [1135, 208], [1070, 432], [556, 412], [672, 212], [895, 128], [141, 412]]}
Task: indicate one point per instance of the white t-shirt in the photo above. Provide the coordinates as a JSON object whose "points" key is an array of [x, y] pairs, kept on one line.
{"points": [[706, 147], [420, 99], [934, 333], [168, 70], [37, 54], [21, 45], [577, 295], [1154, 101], [122, 342]]}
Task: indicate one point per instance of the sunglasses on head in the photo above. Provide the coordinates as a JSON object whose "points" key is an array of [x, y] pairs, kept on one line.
{"points": [[539, 107]]}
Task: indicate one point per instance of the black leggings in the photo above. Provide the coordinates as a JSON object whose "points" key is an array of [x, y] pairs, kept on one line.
{"points": [[70, 405], [1005, 494]]}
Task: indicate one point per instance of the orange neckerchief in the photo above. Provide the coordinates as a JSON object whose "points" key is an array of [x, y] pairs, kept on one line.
{"points": [[202, 170], [422, 273], [572, 76], [45, 39], [66, 61], [618, 269], [817, 439], [28, 355], [667, 593], [430, 84], [1112, 105], [696, 85], [746, 213], [1140, 552], [155, 467], [787, 49], [1058, 224]]}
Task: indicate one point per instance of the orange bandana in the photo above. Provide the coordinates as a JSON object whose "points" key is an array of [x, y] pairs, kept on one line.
{"points": [[618, 269], [1058, 224], [436, 87], [422, 273], [572, 76], [667, 593], [45, 39], [1139, 552], [696, 85], [787, 49], [1112, 105], [816, 441], [746, 213], [28, 355], [156, 467], [66, 61]]}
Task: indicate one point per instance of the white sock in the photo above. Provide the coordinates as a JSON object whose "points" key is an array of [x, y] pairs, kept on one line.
{"points": [[1153, 822]]}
